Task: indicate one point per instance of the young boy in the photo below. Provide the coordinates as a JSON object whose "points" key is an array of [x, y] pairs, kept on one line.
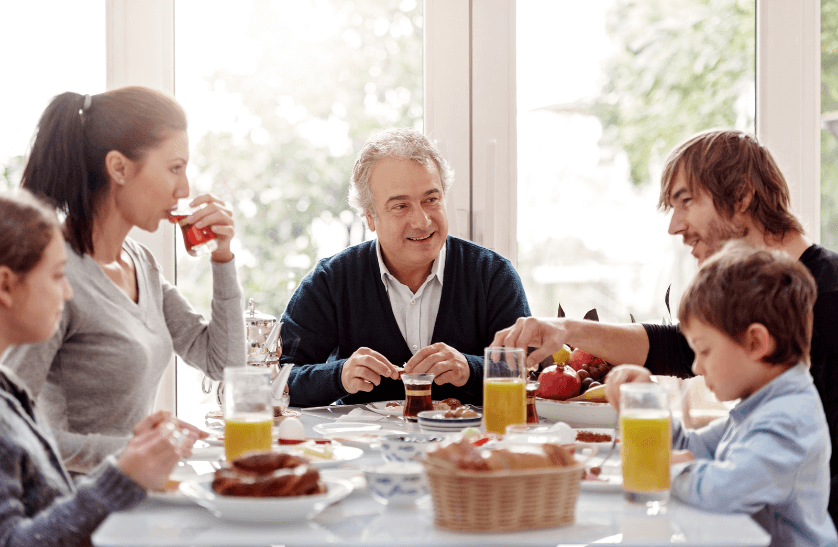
{"points": [[748, 317]]}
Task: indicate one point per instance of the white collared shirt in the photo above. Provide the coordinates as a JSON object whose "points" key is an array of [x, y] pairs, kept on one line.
{"points": [[415, 312]]}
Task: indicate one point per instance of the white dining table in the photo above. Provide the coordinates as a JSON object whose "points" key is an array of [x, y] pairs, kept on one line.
{"points": [[602, 516]]}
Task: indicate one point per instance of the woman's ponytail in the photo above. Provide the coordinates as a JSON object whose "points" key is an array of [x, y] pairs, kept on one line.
{"points": [[56, 167]]}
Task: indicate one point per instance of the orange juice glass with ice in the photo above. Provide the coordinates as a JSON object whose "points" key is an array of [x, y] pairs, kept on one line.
{"points": [[504, 389]]}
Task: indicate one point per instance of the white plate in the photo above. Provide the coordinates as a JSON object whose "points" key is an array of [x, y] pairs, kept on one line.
{"points": [[330, 429], [340, 454], [381, 408], [578, 414], [215, 439], [611, 477], [182, 472], [610, 483], [267, 510]]}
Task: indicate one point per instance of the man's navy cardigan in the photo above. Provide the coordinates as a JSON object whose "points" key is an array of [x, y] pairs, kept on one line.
{"points": [[342, 305]]}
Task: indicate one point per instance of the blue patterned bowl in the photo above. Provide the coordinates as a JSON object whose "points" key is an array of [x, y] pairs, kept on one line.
{"points": [[397, 483], [407, 447]]}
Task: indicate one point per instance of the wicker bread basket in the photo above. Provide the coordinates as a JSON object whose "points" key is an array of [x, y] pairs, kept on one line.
{"points": [[502, 501]]}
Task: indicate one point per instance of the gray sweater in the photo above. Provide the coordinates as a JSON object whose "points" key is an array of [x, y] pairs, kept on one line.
{"points": [[39, 504], [98, 375]]}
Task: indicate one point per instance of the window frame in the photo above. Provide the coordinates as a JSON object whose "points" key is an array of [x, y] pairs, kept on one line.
{"points": [[470, 107]]}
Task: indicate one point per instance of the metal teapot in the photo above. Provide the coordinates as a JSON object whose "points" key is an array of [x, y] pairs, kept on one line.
{"points": [[263, 345], [264, 348]]}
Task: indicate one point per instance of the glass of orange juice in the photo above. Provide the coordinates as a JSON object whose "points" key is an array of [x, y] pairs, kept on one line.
{"points": [[504, 388], [248, 412], [646, 436]]}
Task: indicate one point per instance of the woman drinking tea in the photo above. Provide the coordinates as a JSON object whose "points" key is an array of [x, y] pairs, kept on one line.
{"points": [[39, 504], [111, 162]]}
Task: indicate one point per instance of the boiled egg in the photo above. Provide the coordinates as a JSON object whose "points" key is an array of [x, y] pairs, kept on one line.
{"points": [[291, 429]]}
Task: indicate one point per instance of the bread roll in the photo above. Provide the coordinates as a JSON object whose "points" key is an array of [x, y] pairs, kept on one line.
{"points": [[463, 455]]}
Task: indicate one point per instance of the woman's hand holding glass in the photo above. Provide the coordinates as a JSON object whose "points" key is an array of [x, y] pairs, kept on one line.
{"points": [[219, 217]]}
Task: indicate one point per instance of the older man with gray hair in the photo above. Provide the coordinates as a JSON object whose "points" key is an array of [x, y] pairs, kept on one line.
{"points": [[414, 296]]}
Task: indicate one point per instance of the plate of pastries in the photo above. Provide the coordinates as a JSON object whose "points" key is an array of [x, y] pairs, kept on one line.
{"points": [[266, 487]]}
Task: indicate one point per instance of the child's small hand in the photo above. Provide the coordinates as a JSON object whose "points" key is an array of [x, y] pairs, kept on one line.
{"points": [[620, 375], [681, 456]]}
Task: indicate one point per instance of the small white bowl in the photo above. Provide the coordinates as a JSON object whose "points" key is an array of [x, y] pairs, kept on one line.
{"points": [[406, 447], [397, 483]]}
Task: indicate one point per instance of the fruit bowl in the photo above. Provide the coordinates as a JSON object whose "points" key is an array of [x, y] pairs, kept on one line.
{"points": [[577, 413]]}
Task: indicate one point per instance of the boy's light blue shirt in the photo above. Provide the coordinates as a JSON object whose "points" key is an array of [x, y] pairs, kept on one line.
{"points": [[768, 458]]}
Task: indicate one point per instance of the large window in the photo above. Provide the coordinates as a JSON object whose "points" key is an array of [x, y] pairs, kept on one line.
{"points": [[36, 69], [606, 88], [280, 97], [280, 94], [829, 124]]}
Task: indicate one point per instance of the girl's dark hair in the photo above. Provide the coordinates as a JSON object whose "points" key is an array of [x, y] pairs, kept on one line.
{"points": [[27, 225], [66, 164]]}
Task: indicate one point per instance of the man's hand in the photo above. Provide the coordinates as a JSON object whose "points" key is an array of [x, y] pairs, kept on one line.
{"points": [[364, 369], [448, 365], [622, 375], [547, 335]]}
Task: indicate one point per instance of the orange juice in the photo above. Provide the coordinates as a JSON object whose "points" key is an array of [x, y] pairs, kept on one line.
{"points": [[246, 435], [646, 438], [504, 403]]}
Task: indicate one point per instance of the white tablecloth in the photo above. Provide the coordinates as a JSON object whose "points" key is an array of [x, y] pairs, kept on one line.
{"points": [[358, 520]]}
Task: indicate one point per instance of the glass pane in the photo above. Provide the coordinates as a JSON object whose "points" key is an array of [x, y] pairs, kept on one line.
{"points": [[829, 124], [281, 95], [38, 69], [606, 88]]}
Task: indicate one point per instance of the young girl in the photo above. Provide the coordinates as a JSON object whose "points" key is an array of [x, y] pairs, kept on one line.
{"points": [[111, 162], [39, 504]]}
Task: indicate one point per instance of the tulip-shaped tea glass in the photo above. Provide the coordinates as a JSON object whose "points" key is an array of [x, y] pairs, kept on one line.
{"points": [[532, 391], [198, 241], [504, 388], [248, 410], [417, 394], [646, 435]]}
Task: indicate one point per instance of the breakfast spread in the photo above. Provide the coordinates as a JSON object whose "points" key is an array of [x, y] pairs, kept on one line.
{"points": [[268, 474]]}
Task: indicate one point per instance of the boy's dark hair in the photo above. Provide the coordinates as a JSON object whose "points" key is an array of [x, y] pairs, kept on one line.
{"points": [[728, 164], [740, 286]]}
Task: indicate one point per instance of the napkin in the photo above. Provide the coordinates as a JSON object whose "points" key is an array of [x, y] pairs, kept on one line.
{"points": [[360, 415], [206, 453]]}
